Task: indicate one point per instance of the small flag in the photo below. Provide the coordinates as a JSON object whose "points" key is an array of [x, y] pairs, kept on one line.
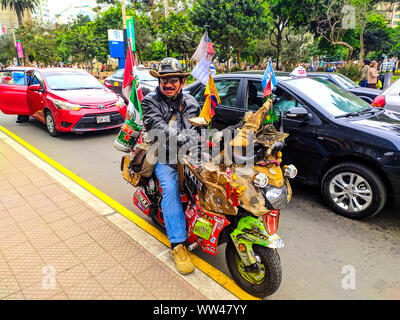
{"points": [[269, 83], [212, 100], [204, 49], [131, 89], [203, 69]]}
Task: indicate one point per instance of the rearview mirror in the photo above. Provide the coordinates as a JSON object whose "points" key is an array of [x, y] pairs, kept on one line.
{"points": [[297, 113], [35, 87]]}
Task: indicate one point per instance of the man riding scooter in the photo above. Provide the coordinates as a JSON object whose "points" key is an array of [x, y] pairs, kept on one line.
{"points": [[168, 110]]}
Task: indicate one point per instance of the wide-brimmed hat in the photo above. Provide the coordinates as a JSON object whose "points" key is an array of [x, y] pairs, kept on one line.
{"points": [[169, 67]]}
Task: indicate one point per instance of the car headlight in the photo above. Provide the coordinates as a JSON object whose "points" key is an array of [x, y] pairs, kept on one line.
{"points": [[290, 171], [65, 105], [120, 103], [260, 180], [276, 198]]}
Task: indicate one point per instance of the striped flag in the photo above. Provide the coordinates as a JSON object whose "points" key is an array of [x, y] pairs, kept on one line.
{"points": [[131, 89], [204, 53], [269, 83], [212, 100]]}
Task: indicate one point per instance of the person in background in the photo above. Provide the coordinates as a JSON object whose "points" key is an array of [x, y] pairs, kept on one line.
{"points": [[373, 75], [364, 73]]}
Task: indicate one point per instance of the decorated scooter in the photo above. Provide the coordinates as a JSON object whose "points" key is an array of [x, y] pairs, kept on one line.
{"points": [[231, 202]]}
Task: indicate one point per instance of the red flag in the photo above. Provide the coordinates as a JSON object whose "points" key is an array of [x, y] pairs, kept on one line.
{"points": [[267, 90], [129, 75]]}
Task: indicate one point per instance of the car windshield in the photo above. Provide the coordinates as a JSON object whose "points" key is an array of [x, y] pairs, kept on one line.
{"points": [[329, 96], [71, 81], [344, 81], [145, 76]]}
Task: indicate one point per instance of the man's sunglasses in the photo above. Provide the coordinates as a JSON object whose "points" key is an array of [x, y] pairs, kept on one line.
{"points": [[170, 80]]}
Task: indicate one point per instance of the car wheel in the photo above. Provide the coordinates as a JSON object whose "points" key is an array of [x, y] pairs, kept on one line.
{"points": [[50, 124], [353, 190]]}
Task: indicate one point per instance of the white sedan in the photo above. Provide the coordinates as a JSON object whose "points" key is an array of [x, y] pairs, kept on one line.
{"points": [[389, 98]]}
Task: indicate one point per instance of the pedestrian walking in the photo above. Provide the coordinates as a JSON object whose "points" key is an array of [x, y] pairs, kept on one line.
{"points": [[373, 75], [364, 73]]}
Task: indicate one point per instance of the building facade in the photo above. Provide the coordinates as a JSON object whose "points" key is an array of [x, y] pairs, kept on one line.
{"points": [[391, 12]]}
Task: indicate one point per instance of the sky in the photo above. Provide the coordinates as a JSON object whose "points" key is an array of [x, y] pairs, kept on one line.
{"points": [[56, 6]]}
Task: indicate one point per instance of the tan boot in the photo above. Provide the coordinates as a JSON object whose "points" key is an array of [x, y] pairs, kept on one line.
{"points": [[182, 260]]}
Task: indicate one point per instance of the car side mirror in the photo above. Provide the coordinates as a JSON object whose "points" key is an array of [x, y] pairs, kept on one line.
{"points": [[35, 87], [107, 84], [297, 113]]}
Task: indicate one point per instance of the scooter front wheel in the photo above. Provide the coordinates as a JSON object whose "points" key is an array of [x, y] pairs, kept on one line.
{"points": [[261, 282]]}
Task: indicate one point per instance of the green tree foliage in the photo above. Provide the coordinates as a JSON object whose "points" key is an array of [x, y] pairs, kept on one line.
{"points": [[233, 23], [19, 6], [179, 34], [7, 48], [38, 42], [285, 14]]}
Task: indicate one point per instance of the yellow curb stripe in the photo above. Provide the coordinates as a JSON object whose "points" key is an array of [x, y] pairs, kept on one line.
{"points": [[208, 269]]}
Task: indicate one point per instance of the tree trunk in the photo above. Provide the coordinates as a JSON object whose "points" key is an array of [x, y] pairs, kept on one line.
{"points": [[278, 48], [19, 16], [361, 46], [238, 57]]}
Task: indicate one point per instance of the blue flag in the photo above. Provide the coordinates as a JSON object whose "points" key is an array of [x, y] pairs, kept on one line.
{"points": [[269, 75]]}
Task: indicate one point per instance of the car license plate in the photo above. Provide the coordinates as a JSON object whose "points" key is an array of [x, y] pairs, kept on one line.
{"points": [[103, 119]]}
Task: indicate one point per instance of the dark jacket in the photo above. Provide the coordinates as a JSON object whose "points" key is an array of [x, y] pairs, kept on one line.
{"points": [[158, 110]]}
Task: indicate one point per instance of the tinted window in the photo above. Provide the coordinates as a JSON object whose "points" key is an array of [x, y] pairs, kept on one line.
{"points": [[118, 75], [144, 75], [329, 96], [37, 79], [227, 91], [254, 95], [12, 77], [284, 101], [344, 81]]}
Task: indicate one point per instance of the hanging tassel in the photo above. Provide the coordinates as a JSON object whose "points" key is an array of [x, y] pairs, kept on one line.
{"points": [[235, 200], [228, 183], [228, 190], [140, 141]]}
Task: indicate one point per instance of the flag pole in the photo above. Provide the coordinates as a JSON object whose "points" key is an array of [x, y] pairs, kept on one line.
{"points": [[209, 75]]}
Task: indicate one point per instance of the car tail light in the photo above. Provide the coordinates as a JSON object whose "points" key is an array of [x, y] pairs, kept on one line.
{"points": [[379, 102], [271, 221]]}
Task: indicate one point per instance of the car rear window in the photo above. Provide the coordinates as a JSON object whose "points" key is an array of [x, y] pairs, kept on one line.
{"points": [[12, 77], [329, 96], [71, 81]]}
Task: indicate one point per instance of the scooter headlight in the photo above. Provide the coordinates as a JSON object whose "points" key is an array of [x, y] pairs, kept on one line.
{"points": [[290, 171], [276, 198], [260, 180]]}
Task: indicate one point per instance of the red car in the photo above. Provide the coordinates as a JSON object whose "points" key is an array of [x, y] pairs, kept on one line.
{"points": [[66, 100]]}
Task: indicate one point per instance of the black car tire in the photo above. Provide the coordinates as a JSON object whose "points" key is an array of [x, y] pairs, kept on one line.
{"points": [[353, 183], [50, 123]]}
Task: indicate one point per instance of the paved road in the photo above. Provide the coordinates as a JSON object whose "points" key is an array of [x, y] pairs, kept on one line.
{"points": [[322, 249]]}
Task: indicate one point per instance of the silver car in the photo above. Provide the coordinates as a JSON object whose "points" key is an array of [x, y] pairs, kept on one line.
{"points": [[389, 98]]}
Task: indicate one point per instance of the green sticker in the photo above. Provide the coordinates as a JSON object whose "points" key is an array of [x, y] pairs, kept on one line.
{"points": [[203, 228]]}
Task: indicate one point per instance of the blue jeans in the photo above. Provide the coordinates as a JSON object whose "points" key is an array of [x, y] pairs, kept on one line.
{"points": [[171, 205]]}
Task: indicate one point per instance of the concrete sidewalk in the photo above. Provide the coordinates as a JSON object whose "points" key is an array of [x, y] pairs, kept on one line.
{"points": [[53, 245]]}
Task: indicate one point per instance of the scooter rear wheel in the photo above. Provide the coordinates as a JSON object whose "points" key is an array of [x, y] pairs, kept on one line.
{"points": [[261, 283], [157, 216]]}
